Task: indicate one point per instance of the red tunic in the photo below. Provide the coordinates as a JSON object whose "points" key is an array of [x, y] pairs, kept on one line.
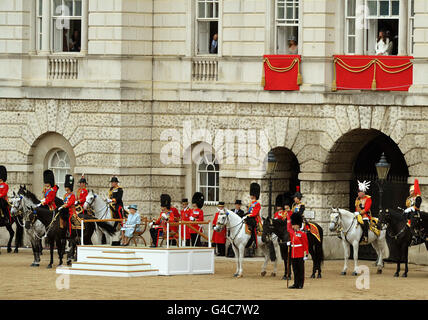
{"points": [[254, 210], [218, 237], [198, 215], [299, 242], [82, 193], [49, 200], [174, 217], [366, 202], [4, 189], [69, 200], [185, 216], [281, 214]]}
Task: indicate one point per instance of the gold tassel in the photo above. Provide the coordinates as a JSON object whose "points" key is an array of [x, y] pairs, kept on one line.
{"points": [[263, 82], [299, 79], [374, 84], [334, 85], [374, 76]]}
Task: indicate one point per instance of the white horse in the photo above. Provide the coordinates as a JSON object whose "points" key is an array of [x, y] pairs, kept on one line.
{"points": [[102, 211], [239, 239], [351, 231]]}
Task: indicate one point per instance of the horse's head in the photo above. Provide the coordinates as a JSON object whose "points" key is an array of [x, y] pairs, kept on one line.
{"points": [[384, 217], [16, 202], [221, 220], [334, 219], [90, 199]]}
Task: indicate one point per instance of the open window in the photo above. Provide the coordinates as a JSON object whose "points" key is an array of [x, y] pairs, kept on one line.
{"points": [[287, 26], [66, 25], [207, 173], [207, 26]]}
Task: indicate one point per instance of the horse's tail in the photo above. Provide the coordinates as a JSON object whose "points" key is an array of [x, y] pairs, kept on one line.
{"points": [[319, 246], [106, 227], [272, 251]]}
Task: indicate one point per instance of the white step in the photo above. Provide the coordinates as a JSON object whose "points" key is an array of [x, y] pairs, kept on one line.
{"points": [[118, 254], [111, 267], [112, 260], [72, 271]]}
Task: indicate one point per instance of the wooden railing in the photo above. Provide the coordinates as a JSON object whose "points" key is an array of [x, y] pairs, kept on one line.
{"points": [[63, 68], [204, 69]]}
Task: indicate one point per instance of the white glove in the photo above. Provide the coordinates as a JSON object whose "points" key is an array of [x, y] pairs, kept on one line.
{"points": [[109, 200], [289, 243], [410, 209], [192, 219], [150, 225], [305, 258], [164, 216], [77, 202], [38, 205]]}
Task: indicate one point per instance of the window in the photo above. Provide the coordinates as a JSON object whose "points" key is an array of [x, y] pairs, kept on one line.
{"points": [[287, 26], [208, 178], [411, 27], [39, 15], [59, 163], [374, 17], [207, 26], [66, 25]]}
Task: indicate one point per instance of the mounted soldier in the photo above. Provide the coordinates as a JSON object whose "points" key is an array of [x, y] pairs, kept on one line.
{"points": [[49, 191], [298, 205], [413, 205], [363, 205], [240, 213], [252, 217], [115, 198], [4, 200], [68, 209], [280, 213], [81, 195]]}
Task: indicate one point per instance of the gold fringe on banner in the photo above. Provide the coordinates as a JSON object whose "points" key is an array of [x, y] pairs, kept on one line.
{"points": [[285, 69], [299, 75], [374, 78], [334, 84], [263, 82]]}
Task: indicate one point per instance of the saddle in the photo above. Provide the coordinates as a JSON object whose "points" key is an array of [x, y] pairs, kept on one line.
{"points": [[372, 225], [75, 221], [259, 229]]}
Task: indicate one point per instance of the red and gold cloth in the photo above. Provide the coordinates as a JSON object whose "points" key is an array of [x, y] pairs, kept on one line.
{"points": [[281, 72], [381, 73]]}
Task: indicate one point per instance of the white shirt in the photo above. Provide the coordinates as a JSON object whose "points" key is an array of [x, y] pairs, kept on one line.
{"points": [[382, 47]]}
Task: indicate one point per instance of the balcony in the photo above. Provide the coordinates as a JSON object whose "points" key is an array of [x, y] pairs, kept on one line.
{"points": [[63, 67], [205, 69]]}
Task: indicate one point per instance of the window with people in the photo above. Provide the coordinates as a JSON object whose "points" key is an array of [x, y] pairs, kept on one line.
{"points": [[380, 22], [66, 25], [207, 26], [287, 26]]}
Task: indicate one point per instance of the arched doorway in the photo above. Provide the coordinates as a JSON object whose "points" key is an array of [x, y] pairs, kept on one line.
{"points": [[285, 178], [354, 155]]}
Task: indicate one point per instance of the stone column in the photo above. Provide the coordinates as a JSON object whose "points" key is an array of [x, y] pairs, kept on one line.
{"points": [[402, 28], [33, 28], [46, 32], [84, 27], [359, 30]]}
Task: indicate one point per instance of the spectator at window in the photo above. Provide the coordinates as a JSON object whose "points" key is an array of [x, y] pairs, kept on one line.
{"points": [[382, 44], [292, 45], [64, 40], [390, 44], [214, 44], [75, 41]]}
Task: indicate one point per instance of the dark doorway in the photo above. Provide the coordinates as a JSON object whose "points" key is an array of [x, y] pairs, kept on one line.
{"points": [[395, 188]]}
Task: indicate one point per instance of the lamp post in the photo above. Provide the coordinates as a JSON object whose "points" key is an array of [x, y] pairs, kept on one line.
{"points": [[271, 166], [382, 168]]}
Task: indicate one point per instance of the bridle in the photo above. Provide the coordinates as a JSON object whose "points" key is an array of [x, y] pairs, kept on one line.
{"points": [[395, 237], [338, 226], [240, 224], [92, 202]]}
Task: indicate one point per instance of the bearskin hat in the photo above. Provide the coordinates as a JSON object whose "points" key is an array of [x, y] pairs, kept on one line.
{"points": [[3, 173], [69, 181], [296, 219], [165, 201], [287, 202], [279, 201], [255, 190], [48, 177], [198, 198]]}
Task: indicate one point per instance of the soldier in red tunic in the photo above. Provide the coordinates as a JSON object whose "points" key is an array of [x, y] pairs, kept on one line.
{"points": [[196, 215], [81, 193], [174, 217], [49, 191], [363, 205], [219, 238], [280, 213], [159, 225], [185, 216], [253, 215], [68, 209], [4, 201], [299, 249]]}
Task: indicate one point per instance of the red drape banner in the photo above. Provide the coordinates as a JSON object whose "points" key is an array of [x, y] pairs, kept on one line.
{"points": [[281, 72], [386, 73]]}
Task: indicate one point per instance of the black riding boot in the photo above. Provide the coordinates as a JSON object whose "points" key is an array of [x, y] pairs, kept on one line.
{"points": [[366, 230]]}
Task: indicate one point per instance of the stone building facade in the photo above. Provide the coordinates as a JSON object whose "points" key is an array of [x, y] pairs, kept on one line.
{"points": [[141, 96]]}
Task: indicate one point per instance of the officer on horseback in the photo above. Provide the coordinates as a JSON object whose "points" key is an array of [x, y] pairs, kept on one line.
{"points": [[298, 205], [252, 217], [67, 210], [4, 201], [81, 194], [363, 205], [115, 195], [280, 213], [49, 191], [413, 205]]}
